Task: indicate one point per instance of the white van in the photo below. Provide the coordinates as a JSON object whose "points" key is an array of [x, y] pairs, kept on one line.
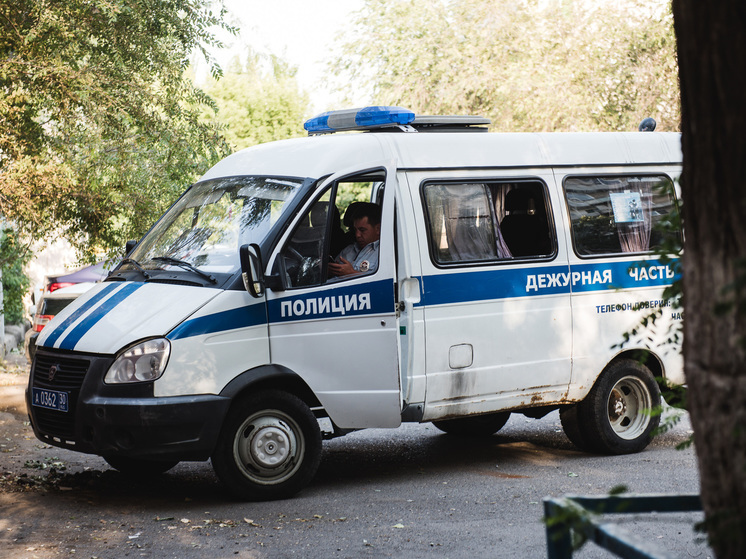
{"points": [[509, 268]]}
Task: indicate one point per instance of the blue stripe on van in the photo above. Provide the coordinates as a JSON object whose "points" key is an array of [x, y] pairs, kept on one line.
{"points": [[485, 285], [627, 275], [335, 301], [242, 317], [459, 287], [358, 299], [80, 311], [72, 339], [507, 283]]}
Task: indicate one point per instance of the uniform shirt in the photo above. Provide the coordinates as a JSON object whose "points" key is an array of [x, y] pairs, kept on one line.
{"points": [[362, 259]]}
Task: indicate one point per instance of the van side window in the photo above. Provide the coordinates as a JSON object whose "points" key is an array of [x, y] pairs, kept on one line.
{"points": [[302, 257], [484, 222], [358, 199], [320, 238], [619, 215]]}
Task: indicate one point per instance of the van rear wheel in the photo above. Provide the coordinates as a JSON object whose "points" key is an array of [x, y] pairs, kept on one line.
{"points": [[572, 427], [617, 416], [269, 447], [474, 426]]}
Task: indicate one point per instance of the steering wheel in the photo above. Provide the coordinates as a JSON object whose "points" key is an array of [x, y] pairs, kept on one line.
{"points": [[297, 255]]}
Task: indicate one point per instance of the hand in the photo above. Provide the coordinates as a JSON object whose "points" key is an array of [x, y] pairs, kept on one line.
{"points": [[342, 268]]}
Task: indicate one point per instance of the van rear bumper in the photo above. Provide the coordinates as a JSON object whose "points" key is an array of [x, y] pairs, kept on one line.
{"points": [[172, 428]]}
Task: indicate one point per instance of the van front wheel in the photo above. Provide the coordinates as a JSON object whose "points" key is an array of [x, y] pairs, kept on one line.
{"points": [[269, 447], [475, 426], [618, 415]]}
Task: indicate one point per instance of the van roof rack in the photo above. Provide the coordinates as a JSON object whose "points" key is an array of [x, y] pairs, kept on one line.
{"points": [[450, 123], [391, 119]]}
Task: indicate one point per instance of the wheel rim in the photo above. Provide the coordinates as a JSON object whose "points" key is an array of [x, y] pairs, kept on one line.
{"points": [[269, 447], [629, 407]]}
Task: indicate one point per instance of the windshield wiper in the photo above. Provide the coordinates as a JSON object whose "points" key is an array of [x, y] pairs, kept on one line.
{"points": [[134, 264], [187, 266]]}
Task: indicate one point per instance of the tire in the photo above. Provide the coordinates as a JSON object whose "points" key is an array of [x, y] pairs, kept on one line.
{"points": [[269, 447], [573, 428], [474, 426], [139, 467], [615, 417]]}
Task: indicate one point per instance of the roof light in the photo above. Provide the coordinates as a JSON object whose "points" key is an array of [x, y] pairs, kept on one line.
{"points": [[647, 125], [358, 119]]}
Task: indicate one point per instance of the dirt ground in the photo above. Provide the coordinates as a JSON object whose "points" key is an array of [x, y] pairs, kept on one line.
{"points": [[59, 503], [406, 493], [26, 463]]}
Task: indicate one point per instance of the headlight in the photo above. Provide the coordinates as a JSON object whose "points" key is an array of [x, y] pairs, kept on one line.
{"points": [[143, 362]]}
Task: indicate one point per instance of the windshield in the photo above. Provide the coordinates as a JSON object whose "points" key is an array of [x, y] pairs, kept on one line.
{"points": [[205, 227]]}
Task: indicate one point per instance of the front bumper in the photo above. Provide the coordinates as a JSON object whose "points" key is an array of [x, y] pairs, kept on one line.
{"points": [[123, 420]]}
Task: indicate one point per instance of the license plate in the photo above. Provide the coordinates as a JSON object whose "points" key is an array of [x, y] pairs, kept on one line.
{"points": [[50, 399]]}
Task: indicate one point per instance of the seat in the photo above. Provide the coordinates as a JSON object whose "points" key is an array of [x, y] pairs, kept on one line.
{"points": [[307, 239], [524, 228], [337, 240]]}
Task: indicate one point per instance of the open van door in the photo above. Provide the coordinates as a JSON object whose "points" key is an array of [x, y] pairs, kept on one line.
{"points": [[339, 334]]}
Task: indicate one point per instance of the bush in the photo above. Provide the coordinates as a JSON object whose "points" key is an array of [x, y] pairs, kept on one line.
{"points": [[13, 257]]}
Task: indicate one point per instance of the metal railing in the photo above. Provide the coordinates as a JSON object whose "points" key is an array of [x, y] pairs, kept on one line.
{"points": [[576, 514]]}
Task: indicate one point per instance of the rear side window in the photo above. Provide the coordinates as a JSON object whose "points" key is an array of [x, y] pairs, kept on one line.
{"points": [[620, 214], [54, 306], [482, 222]]}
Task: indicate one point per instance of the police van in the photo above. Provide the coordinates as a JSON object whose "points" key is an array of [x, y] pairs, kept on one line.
{"points": [[512, 273]]}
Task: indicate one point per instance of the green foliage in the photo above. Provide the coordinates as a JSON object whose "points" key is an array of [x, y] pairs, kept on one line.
{"points": [[571, 517], [528, 65], [352, 192], [674, 395], [13, 257], [669, 252], [99, 127], [258, 101]]}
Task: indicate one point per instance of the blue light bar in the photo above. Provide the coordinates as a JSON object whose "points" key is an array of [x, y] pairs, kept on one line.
{"points": [[358, 119]]}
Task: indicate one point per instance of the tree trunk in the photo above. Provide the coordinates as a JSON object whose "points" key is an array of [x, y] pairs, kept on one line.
{"points": [[711, 39]]}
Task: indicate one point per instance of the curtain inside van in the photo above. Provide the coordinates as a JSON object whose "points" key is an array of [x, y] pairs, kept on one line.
{"points": [[631, 203], [619, 214], [462, 226]]}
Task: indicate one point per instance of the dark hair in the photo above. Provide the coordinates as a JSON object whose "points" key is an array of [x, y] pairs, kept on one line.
{"points": [[359, 210]]}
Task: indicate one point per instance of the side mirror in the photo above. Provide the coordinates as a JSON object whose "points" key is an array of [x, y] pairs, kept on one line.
{"points": [[252, 269], [129, 246]]}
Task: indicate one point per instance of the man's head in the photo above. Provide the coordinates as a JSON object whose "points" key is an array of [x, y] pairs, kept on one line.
{"points": [[367, 224]]}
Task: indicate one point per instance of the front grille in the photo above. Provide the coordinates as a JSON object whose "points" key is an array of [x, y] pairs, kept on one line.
{"points": [[67, 375], [69, 372]]}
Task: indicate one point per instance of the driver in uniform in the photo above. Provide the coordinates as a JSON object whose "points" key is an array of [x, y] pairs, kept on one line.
{"points": [[361, 256]]}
